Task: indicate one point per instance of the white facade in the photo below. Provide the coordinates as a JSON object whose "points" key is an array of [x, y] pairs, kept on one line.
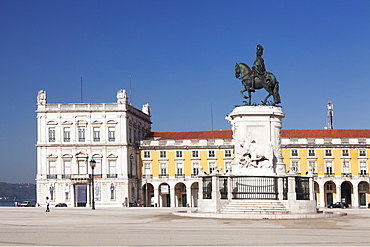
{"points": [[70, 135]]}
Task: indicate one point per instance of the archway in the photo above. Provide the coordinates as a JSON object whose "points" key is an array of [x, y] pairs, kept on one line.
{"points": [[148, 194], [194, 194], [346, 192], [316, 190], [363, 192], [329, 190], [164, 199], [180, 195]]}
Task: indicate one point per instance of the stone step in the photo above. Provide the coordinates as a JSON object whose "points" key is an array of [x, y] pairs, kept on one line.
{"points": [[254, 207]]}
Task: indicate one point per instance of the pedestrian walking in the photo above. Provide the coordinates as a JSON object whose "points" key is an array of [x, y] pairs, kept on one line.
{"points": [[47, 204]]}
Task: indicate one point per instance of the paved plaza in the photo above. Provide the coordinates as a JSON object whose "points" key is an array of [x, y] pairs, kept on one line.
{"points": [[158, 227]]}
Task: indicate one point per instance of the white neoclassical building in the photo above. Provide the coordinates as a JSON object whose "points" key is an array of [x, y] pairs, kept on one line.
{"points": [[71, 135]]}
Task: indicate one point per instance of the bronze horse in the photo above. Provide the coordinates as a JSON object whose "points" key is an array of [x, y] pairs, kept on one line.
{"points": [[270, 84]]}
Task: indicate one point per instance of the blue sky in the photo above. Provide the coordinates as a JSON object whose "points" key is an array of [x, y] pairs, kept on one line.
{"points": [[181, 55]]}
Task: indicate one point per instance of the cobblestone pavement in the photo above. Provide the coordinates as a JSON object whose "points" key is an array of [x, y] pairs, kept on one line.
{"points": [[158, 227]]}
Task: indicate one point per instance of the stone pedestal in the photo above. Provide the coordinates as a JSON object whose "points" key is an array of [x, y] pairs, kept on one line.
{"points": [[257, 140]]}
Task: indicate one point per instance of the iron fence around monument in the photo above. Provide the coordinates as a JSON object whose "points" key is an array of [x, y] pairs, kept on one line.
{"points": [[207, 187], [255, 188], [302, 188]]}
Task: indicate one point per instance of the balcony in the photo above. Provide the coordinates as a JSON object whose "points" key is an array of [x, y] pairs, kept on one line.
{"points": [[180, 175], [363, 174], [148, 176], [194, 175], [347, 175], [163, 175], [51, 176], [329, 174], [111, 175], [66, 175]]}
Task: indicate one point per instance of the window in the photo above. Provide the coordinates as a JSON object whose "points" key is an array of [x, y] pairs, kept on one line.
{"points": [[345, 167], [178, 154], [195, 154], [112, 168], [179, 169], [52, 169], [363, 168], [111, 134], [97, 170], [52, 134], [295, 167], [67, 134], [329, 167], [96, 134], [227, 153], [81, 134], [294, 152], [147, 170], [312, 166], [66, 192], [163, 170], [146, 154], [345, 152], [362, 152], [211, 153], [329, 186], [328, 152], [228, 166], [67, 168], [162, 154], [195, 169], [311, 152], [212, 167], [82, 167]]}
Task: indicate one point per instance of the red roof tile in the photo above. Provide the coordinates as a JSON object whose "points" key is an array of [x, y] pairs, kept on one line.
{"points": [[215, 134], [326, 133], [286, 133]]}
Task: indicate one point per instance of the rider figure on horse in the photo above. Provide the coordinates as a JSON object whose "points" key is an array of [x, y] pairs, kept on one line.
{"points": [[258, 68]]}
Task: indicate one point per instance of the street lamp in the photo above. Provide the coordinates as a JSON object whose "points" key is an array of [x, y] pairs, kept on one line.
{"points": [[92, 165]]}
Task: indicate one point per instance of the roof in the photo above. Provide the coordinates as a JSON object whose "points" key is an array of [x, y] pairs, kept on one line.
{"points": [[213, 134], [326, 133], [285, 133]]}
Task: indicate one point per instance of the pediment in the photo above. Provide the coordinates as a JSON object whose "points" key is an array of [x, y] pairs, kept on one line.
{"points": [[67, 123], [81, 123], [52, 122]]}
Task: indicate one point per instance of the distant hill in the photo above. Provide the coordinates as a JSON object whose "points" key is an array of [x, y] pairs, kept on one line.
{"points": [[19, 191]]}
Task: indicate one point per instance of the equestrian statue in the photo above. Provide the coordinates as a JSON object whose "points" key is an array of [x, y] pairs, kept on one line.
{"points": [[257, 78]]}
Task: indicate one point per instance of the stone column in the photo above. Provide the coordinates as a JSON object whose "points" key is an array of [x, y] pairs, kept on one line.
{"points": [[339, 193], [172, 197], [312, 189], [291, 189], [280, 188], [156, 195], [355, 201], [189, 201], [322, 195]]}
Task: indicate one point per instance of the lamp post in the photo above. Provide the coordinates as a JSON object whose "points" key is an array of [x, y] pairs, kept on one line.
{"points": [[92, 165]]}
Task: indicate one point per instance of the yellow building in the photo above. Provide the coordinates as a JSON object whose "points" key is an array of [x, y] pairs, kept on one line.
{"points": [[170, 162]]}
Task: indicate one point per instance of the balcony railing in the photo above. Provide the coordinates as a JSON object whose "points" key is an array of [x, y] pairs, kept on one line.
{"points": [[179, 175], [348, 175], [51, 176], [163, 175], [363, 174], [194, 175], [111, 175], [329, 174], [148, 176], [66, 175]]}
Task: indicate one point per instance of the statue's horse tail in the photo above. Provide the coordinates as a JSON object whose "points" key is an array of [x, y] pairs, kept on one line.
{"points": [[276, 94]]}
